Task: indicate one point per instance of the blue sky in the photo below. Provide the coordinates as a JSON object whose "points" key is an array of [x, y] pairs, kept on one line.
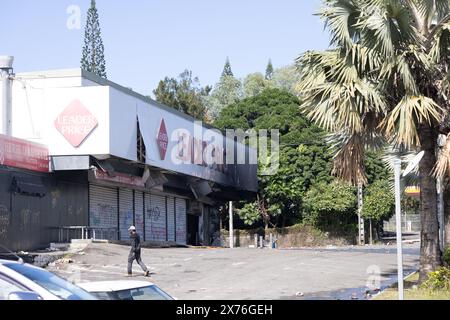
{"points": [[148, 40]]}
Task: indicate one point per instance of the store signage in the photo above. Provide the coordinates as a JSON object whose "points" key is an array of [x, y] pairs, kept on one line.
{"points": [[120, 178], [23, 154], [162, 140], [75, 123]]}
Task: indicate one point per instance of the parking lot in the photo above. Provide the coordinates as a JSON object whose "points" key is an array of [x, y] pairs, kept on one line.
{"points": [[246, 273]]}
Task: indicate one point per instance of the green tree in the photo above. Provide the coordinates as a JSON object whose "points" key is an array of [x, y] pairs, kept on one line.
{"points": [[269, 70], [227, 72], [330, 205], [385, 78], [227, 91], [254, 84], [304, 154], [379, 202], [184, 94], [286, 78], [93, 56]]}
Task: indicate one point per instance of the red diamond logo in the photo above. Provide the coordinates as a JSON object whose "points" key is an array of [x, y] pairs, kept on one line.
{"points": [[75, 123], [162, 139]]}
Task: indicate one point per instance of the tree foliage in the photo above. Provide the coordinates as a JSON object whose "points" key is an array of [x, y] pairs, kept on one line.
{"points": [[330, 203], [227, 91], [269, 70], [254, 84], [184, 94], [385, 80], [379, 202], [227, 72], [93, 56], [304, 155]]}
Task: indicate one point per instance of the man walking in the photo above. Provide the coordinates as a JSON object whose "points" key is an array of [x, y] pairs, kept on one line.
{"points": [[135, 252]]}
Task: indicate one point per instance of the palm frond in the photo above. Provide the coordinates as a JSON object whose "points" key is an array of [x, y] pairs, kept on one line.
{"points": [[340, 17], [442, 167], [401, 124], [348, 162]]}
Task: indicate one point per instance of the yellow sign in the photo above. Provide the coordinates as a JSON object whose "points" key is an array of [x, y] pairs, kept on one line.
{"points": [[412, 191]]}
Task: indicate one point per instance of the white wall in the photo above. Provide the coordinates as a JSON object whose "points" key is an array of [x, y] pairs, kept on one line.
{"points": [[123, 121]]}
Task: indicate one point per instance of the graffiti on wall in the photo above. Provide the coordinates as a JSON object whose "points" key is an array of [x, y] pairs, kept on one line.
{"points": [[28, 218], [102, 215], [4, 221]]}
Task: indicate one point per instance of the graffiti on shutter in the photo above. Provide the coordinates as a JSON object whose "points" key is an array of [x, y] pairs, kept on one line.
{"points": [[103, 211], [155, 217], [180, 220], [139, 213], [125, 213], [171, 218]]}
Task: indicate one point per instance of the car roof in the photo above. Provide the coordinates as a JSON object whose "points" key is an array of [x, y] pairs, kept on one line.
{"points": [[4, 261], [110, 286]]}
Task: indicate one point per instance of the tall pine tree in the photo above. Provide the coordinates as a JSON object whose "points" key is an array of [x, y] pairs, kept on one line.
{"points": [[227, 69], [93, 58], [269, 70]]}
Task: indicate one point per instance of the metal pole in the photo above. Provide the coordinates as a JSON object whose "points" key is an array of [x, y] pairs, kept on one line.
{"points": [[398, 225], [6, 103], [271, 241], [256, 241], [230, 209], [361, 236]]}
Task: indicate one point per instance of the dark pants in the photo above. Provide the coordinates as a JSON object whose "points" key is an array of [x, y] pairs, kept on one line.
{"points": [[135, 256]]}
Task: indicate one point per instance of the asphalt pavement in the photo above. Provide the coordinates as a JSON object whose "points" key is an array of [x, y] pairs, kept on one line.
{"points": [[248, 273]]}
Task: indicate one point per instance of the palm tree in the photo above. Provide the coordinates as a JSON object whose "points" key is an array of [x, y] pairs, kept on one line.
{"points": [[384, 81]]}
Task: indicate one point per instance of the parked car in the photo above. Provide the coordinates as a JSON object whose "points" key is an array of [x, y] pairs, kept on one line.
{"points": [[21, 281], [125, 290]]}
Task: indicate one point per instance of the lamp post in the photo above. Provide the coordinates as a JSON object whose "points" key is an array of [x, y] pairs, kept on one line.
{"points": [[398, 213], [398, 226]]}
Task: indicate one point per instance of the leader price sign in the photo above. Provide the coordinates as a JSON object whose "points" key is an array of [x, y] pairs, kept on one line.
{"points": [[162, 139], [23, 154], [76, 123]]}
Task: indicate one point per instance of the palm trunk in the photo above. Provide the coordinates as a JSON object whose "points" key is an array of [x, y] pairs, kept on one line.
{"points": [[430, 254]]}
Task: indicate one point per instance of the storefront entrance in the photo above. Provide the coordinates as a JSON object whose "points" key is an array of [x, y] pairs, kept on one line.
{"points": [[192, 230]]}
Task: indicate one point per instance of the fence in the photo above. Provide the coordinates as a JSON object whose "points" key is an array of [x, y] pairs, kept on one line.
{"points": [[67, 233], [410, 223]]}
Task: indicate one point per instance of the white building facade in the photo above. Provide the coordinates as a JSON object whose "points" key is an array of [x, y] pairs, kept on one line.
{"points": [[143, 163]]}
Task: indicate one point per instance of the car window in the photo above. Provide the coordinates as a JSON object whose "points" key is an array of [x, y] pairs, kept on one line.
{"points": [[52, 283], [7, 286], [104, 295], [144, 293]]}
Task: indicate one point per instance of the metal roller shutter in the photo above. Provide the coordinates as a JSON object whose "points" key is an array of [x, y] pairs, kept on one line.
{"points": [[103, 211], [139, 213], [180, 223], [155, 217], [125, 213], [171, 218]]}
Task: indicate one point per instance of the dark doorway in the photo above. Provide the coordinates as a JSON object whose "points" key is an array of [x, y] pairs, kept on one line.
{"points": [[192, 230]]}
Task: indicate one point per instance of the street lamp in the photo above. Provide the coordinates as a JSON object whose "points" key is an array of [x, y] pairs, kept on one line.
{"points": [[398, 213]]}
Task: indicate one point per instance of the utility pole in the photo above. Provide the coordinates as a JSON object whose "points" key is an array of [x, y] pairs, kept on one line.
{"points": [[230, 210], [361, 236]]}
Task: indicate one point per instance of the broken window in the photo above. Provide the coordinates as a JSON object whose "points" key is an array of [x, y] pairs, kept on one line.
{"points": [[141, 151]]}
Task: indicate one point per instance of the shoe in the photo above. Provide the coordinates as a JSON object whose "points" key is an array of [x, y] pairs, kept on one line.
{"points": [[147, 274], [129, 275]]}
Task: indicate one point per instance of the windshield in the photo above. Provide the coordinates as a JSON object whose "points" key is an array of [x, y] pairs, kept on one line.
{"points": [[144, 293], [52, 283]]}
